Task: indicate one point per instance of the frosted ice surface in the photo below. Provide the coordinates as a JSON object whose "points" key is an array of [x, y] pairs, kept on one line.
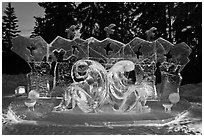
{"points": [[124, 78]]}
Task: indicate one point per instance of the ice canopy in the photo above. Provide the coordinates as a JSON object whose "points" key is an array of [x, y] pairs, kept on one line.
{"points": [[92, 73]]}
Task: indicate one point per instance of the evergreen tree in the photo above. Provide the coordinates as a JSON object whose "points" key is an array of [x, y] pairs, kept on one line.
{"points": [[149, 14], [96, 16], [39, 28], [9, 27], [88, 14], [58, 17], [120, 14]]}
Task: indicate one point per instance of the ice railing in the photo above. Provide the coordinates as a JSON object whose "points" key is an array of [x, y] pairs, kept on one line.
{"points": [[92, 73]]}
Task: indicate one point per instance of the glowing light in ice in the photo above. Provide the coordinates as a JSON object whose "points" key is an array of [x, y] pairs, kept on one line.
{"points": [[20, 90], [33, 95], [174, 98]]}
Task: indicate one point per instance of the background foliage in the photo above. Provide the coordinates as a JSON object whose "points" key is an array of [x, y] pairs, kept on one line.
{"points": [[9, 27]]}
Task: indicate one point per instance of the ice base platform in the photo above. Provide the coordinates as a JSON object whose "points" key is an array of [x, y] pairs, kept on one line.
{"points": [[44, 114]]}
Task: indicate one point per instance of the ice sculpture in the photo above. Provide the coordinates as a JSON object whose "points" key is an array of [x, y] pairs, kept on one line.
{"points": [[89, 90], [30, 48], [95, 73], [40, 77], [109, 30], [151, 33], [33, 97], [170, 71], [66, 52], [167, 107], [70, 32], [20, 90], [124, 94], [143, 54], [22, 50], [62, 69]]}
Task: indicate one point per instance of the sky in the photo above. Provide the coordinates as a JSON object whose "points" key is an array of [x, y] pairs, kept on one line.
{"points": [[25, 11]]}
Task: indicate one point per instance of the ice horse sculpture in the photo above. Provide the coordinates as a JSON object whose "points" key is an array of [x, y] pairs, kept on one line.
{"points": [[95, 73]]}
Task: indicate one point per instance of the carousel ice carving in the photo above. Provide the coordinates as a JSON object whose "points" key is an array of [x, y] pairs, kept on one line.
{"points": [[124, 79]]}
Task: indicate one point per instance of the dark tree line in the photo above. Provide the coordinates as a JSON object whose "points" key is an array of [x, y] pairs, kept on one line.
{"points": [[9, 27], [58, 16]]}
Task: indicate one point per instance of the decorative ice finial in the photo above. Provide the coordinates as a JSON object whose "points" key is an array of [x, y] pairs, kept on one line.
{"points": [[109, 30], [151, 33], [77, 31], [167, 107], [90, 40], [174, 98], [70, 32], [32, 96]]}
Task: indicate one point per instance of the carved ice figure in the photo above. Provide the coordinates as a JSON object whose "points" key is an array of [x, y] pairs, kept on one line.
{"points": [[70, 32], [170, 72], [147, 78], [109, 30], [39, 77], [20, 44], [89, 90], [124, 95], [93, 87], [143, 54]]}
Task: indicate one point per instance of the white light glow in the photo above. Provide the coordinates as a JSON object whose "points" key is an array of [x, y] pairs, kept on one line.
{"points": [[20, 90]]}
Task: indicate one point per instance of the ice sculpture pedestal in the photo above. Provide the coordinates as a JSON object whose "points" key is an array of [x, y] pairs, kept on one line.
{"points": [[44, 116]]}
